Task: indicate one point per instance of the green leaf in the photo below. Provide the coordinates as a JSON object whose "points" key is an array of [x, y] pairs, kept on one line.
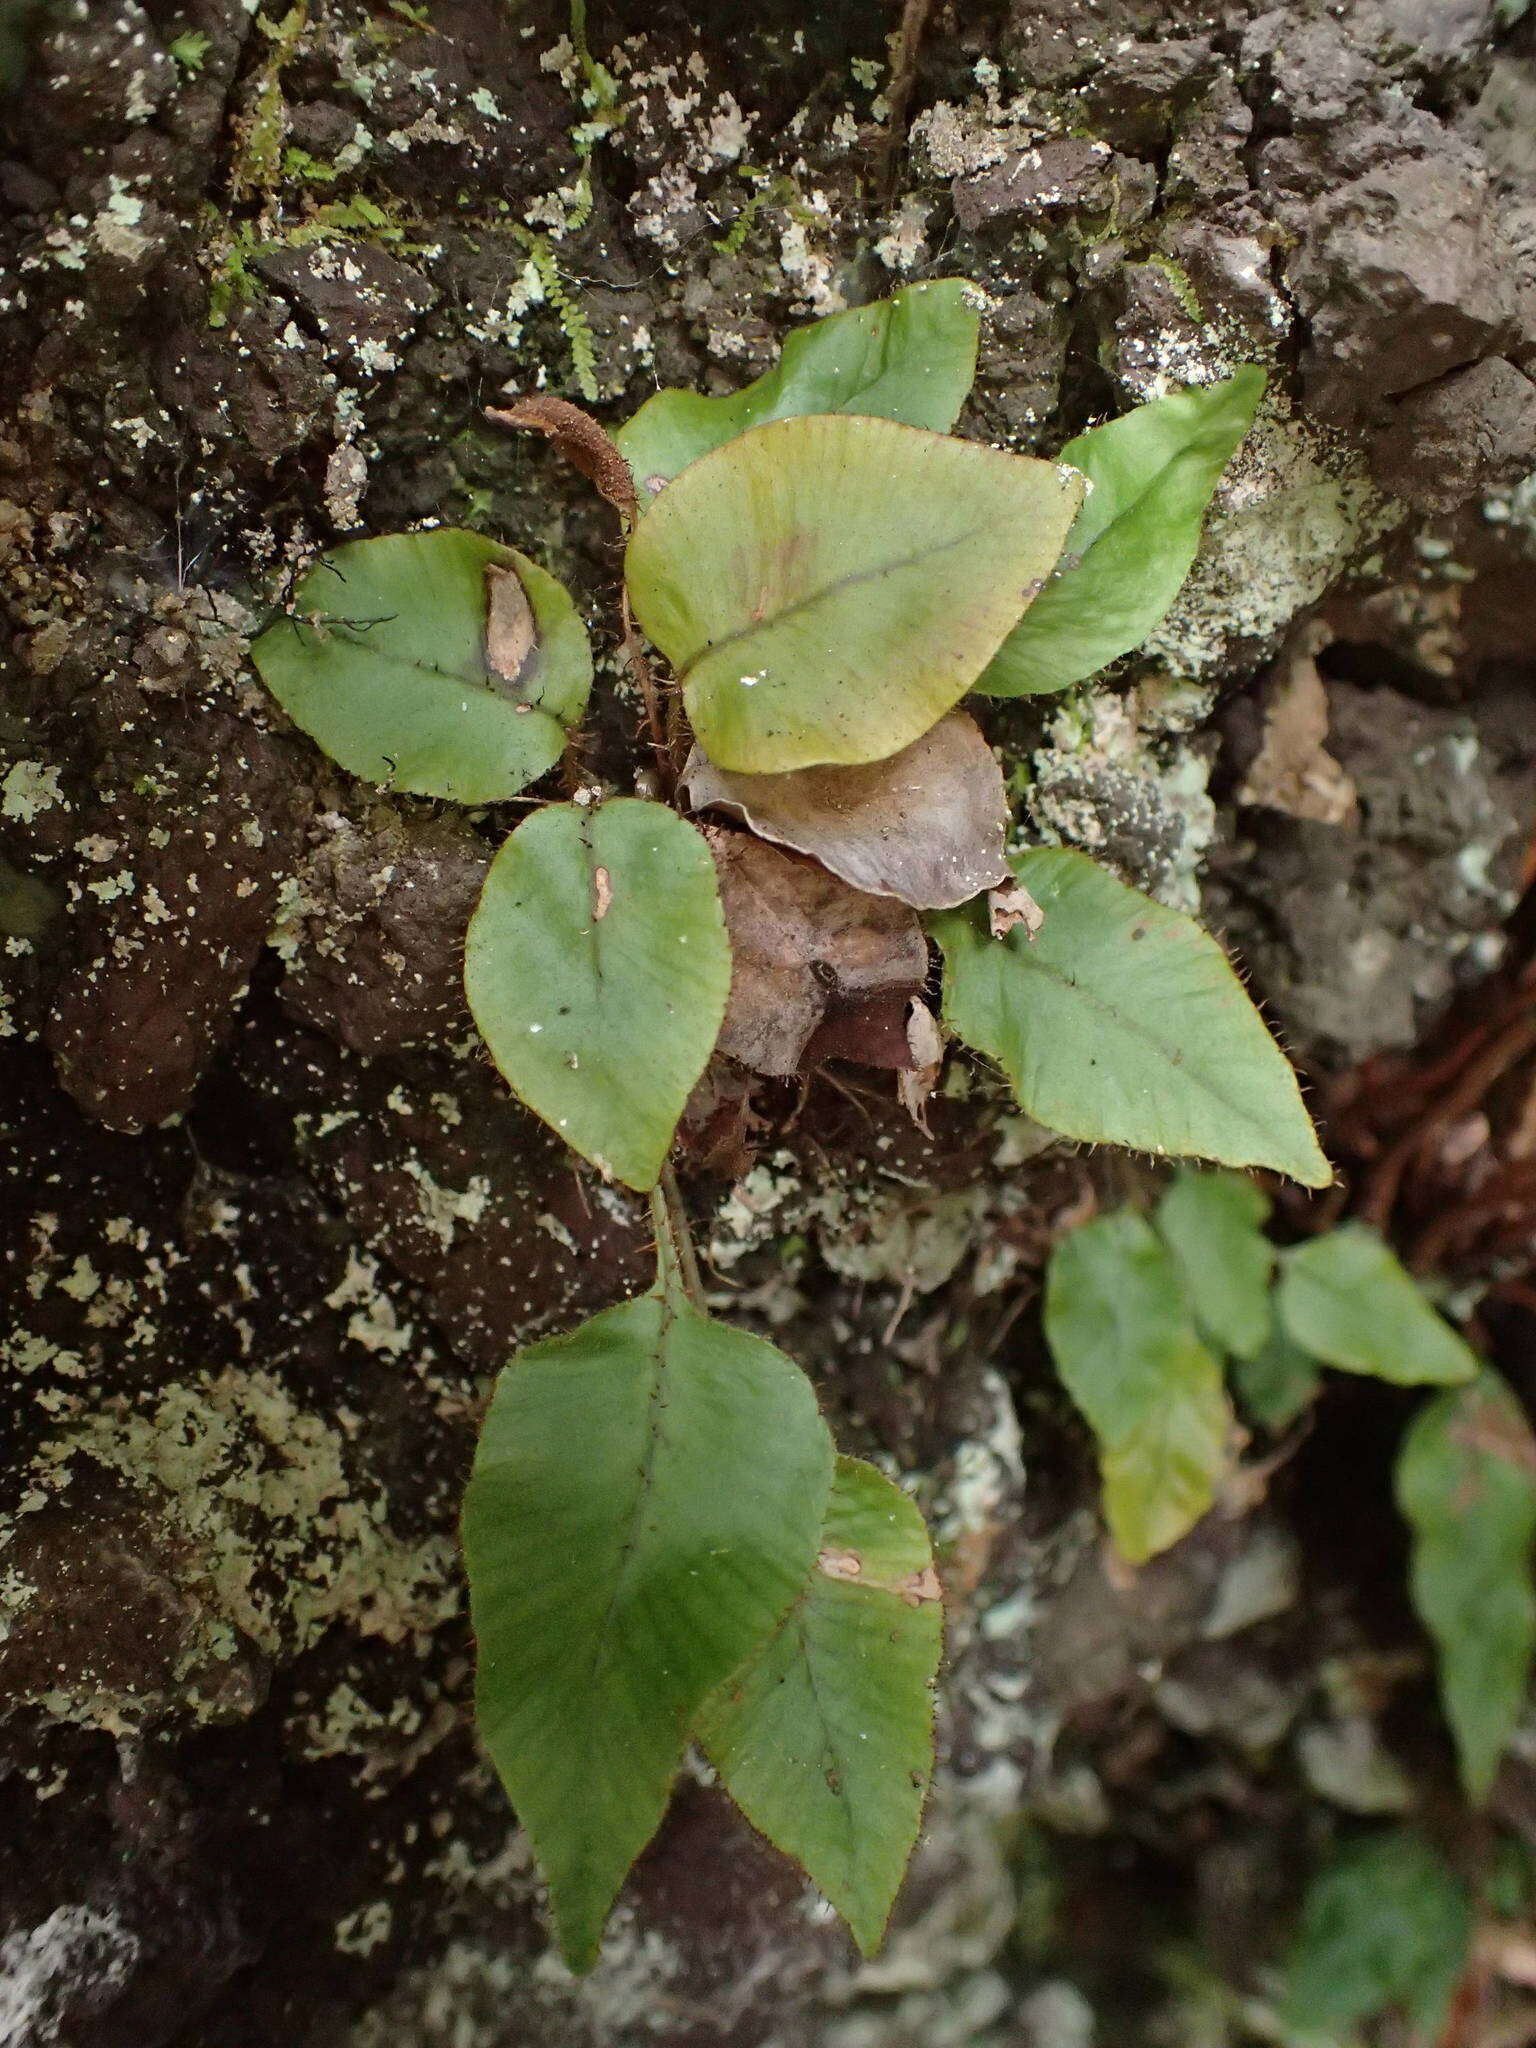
{"points": [[1127, 1352], [597, 967], [1345, 1298], [1123, 1024], [1385, 1927], [1466, 1482], [1153, 472], [646, 1501], [1213, 1223], [1277, 1383], [384, 666], [828, 587], [824, 1738], [911, 357]]}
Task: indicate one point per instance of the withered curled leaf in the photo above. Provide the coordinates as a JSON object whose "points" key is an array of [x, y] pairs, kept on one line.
{"points": [[926, 826], [819, 970], [582, 442]]}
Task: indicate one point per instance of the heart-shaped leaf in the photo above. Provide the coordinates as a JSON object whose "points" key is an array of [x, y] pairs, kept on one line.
{"points": [[1466, 1482], [1127, 1352], [926, 826], [384, 664], [1122, 1023], [647, 1499], [828, 587], [1153, 472], [910, 357], [597, 969], [1345, 1298], [824, 1737], [1213, 1223]]}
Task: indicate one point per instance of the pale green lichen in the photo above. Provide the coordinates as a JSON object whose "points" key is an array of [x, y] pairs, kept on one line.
{"points": [[262, 1530]]}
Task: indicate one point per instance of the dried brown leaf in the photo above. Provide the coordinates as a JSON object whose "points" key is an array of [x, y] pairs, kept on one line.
{"points": [[926, 825], [1293, 770], [819, 970], [511, 634], [580, 440], [1011, 904]]}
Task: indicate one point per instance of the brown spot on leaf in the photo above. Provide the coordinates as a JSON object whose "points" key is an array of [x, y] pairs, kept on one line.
{"points": [[510, 632], [840, 1564], [602, 894]]}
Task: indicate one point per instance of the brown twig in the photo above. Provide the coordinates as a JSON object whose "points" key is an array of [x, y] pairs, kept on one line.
{"points": [[1477, 1075], [671, 1220]]}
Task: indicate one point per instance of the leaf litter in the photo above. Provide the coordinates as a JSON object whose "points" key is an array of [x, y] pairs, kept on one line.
{"points": [[927, 825]]}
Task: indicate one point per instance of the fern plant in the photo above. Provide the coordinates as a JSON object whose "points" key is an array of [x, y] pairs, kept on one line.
{"points": [[663, 1545]]}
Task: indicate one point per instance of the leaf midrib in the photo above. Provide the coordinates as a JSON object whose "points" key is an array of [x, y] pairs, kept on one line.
{"points": [[450, 678], [1200, 442], [1036, 965], [852, 581]]}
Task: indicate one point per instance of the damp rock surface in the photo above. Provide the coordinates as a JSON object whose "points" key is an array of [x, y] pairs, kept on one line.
{"points": [[268, 1221]]}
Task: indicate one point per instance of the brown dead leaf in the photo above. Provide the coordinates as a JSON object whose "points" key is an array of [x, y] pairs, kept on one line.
{"points": [[1293, 770], [510, 632], [580, 440], [1011, 904], [925, 826], [819, 970], [719, 1127]]}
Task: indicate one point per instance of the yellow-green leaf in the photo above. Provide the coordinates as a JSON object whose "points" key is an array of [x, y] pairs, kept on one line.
{"points": [[1127, 1352], [828, 587]]}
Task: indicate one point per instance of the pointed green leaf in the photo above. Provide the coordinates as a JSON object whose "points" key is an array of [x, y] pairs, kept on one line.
{"points": [[1345, 1298], [911, 357], [647, 1498], [1153, 472], [597, 968], [1213, 1223], [1127, 1352], [1385, 1927], [1122, 1023], [824, 1737], [1278, 1382], [828, 587], [1466, 1482], [384, 666]]}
